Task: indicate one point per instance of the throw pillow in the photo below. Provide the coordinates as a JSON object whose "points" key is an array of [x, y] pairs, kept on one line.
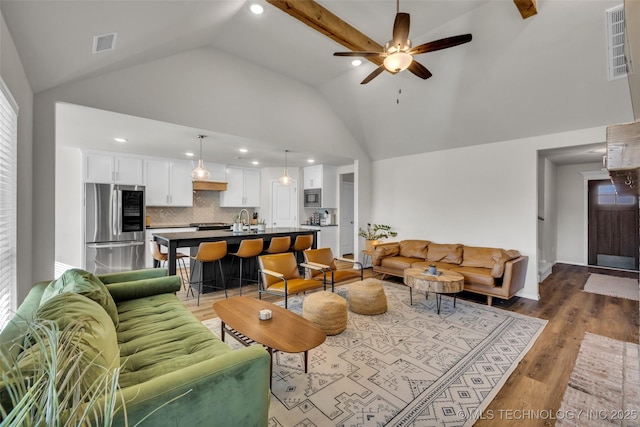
{"points": [[84, 283]]}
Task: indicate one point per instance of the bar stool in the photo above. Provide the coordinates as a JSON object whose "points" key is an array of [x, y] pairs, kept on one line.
{"points": [[162, 258], [302, 243], [249, 248], [210, 252], [278, 245]]}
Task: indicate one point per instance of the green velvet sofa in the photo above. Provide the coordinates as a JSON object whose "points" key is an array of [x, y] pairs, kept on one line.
{"points": [[162, 349]]}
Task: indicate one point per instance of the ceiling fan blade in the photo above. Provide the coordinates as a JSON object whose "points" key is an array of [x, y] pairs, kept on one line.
{"points": [[401, 29], [440, 44], [362, 54], [419, 70], [373, 75]]}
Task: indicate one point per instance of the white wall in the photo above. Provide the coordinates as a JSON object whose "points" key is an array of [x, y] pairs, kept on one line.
{"points": [[484, 195], [15, 78], [572, 225], [69, 221]]}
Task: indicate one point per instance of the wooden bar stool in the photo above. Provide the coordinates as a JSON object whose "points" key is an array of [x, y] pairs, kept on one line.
{"points": [[278, 245], [249, 248], [161, 258], [210, 252]]}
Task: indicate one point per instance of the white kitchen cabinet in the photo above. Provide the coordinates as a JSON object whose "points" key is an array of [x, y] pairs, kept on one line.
{"points": [[113, 169], [149, 236], [313, 177], [168, 183], [217, 170], [327, 237], [243, 188], [324, 177]]}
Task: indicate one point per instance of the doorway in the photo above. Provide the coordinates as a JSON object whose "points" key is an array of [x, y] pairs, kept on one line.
{"points": [[613, 227], [284, 205], [346, 213]]}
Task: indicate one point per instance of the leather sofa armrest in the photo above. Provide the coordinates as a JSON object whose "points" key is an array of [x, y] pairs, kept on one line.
{"points": [[515, 272], [383, 250], [130, 276], [123, 291]]}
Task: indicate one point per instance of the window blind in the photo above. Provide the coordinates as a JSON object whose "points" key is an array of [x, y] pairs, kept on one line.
{"points": [[8, 203]]}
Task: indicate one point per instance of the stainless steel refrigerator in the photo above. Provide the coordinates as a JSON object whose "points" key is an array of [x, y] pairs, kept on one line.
{"points": [[114, 227]]}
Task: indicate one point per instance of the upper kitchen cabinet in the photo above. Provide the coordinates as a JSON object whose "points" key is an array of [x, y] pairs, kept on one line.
{"points": [[324, 177], [168, 182], [243, 188], [111, 168]]}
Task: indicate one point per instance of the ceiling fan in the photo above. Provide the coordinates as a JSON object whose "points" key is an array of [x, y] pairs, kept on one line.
{"points": [[398, 53]]}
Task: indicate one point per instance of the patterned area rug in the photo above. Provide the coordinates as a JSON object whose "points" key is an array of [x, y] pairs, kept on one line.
{"points": [[620, 287], [407, 367], [604, 387]]}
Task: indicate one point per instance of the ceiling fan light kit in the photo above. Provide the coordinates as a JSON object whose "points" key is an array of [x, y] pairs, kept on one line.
{"points": [[200, 173], [398, 53]]}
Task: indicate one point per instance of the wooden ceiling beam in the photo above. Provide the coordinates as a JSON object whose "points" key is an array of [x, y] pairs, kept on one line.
{"points": [[527, 8], [320, 19]]}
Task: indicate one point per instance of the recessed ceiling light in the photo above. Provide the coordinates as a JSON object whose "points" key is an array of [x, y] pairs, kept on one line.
{"points": [[189, 154], [256, 9], [255, 162], [311, 161], [243, 150], [356, 62], [120, 139]]}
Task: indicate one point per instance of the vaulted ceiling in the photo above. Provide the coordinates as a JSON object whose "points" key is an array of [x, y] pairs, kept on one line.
{"points": [[517, 78]]}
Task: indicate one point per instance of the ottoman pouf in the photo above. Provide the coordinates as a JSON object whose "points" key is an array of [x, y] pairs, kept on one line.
{"points": [[328, 311], [367, 297]]}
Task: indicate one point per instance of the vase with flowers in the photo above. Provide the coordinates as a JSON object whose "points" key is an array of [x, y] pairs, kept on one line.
{"points": [[375, 232]]}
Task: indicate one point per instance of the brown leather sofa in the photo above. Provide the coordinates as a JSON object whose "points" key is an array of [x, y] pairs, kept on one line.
{"points": [[492, 272]]}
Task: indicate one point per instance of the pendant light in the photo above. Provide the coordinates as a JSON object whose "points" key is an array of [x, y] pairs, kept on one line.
{"points": [[200, 173], [285, 179]]}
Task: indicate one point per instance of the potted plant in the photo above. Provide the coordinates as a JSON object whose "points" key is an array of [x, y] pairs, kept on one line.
{"points": [[374, 232]]}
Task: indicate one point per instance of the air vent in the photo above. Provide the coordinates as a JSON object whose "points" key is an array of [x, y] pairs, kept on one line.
{"points": [[616, 60], [104, 42]]}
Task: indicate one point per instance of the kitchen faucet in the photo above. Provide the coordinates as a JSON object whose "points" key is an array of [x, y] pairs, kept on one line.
{"points": [[248, 218]]}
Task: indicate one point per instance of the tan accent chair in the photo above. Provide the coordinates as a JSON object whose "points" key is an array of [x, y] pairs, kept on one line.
{"points": [[323, 258], [279, 275], [278, 245], [249, 248], [209, 252], [162, 257]]}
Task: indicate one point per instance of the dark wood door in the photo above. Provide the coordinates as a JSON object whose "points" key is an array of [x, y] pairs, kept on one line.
{"points": [[613, 227]]}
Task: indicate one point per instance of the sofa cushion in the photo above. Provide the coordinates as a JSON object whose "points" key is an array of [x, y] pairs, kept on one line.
{"points": [[476, 275], [414, 248], [491, 258], [83, 283], [384, 251], [398, 262], [98, 342], [158, 335], [449, 253], [439, 265]]}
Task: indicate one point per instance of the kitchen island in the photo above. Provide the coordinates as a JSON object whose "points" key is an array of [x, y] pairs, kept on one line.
{"points": [[192, 239]]}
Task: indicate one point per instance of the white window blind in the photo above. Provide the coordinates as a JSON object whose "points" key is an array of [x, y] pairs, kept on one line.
{"points": [[8, 203]]}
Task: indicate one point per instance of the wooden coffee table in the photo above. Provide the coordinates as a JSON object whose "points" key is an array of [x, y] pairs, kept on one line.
{"points": [[448, 282], [285, 331]]}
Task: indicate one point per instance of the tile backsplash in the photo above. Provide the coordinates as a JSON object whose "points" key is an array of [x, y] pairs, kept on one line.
{"points": [[206, 208]]}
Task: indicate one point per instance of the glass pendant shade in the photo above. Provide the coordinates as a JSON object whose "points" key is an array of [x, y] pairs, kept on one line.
{"points": [[397, 62], [200, 173], [285, 179]]}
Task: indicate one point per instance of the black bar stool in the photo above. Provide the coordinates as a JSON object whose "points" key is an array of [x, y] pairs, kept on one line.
{"points": [[249, 248], [210, 252]]}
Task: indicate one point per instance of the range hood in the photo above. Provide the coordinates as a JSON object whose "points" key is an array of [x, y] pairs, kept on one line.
{"points": [[209, 186]]}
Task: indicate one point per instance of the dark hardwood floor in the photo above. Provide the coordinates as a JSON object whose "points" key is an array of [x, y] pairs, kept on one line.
{"points": [[534, 391]]}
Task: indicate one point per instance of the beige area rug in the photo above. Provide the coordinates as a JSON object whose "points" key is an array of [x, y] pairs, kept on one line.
{"points": [[406, 367], [604, 387], [621, 287]]}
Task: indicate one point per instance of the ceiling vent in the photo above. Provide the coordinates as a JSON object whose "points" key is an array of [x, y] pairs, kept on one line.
{"points": [[104, 42], [616, 59]]}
